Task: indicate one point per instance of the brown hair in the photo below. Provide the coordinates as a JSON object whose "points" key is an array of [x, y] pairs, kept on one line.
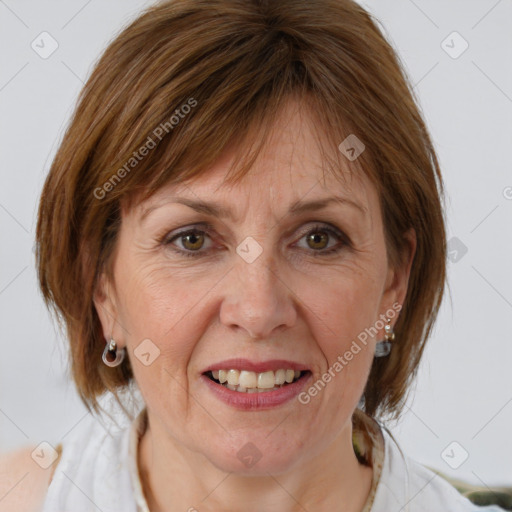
{"points": [[234, 62]]}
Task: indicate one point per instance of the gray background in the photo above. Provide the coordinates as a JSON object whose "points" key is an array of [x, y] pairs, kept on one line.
{"points": [[464, 389]]}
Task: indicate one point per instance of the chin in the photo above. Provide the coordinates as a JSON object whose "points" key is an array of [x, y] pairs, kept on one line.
{"points": [[254, 455]]}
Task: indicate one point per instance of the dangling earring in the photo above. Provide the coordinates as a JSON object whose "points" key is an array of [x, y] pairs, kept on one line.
{"points": [[383, 348], [116, 357]]}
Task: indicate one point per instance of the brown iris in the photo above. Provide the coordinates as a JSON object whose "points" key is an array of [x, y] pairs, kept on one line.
{"points": [[193, 240], [318, 237]]}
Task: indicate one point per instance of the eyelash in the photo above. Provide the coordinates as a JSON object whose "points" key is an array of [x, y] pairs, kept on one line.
{"points": [[326, 228]]}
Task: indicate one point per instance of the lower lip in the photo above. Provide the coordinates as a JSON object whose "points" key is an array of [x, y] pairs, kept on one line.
{"points": [[258, 401]]}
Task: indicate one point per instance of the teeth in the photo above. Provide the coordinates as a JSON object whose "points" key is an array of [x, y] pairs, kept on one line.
{"points": [[266, 380], [233, 377], [252, 382], [248, 379], [280, 377]]}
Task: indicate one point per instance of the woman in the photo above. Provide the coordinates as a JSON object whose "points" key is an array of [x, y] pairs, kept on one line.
{"points": [[244, 221]]}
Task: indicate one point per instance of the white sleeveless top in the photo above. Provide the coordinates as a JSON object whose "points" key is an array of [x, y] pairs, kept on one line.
{"points": [[98, 472]]}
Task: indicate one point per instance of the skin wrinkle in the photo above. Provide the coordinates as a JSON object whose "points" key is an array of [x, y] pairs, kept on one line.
{"points": [[205, 309]]}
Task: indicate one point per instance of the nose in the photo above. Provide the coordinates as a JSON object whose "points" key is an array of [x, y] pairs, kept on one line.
{"points": [[257, 299]]}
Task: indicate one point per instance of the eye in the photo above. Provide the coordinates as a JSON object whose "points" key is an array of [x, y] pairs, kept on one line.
{"points": [[192, 242], [318, 237], [188, 242]]}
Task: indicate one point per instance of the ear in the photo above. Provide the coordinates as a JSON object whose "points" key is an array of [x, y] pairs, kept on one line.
{"points": [[105, 304], [397, 279]]}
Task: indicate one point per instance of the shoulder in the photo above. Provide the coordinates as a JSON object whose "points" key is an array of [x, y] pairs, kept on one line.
{"points": [[23, 482], [409, 484], [439, 492], [93, 468], [90, 463]]}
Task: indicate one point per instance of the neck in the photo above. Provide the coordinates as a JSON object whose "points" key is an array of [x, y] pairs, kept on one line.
{"points": [[176, 478]]}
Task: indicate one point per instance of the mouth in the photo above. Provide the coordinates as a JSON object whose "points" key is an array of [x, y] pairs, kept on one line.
{"points": [[244, 381], [249, 385]]}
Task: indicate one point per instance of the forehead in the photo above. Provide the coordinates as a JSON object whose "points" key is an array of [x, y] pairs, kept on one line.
{"points": [[290, 167]]}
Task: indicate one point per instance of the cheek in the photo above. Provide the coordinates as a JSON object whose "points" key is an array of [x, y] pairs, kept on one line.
{"points": [[159, 306], [342, 309], [340, 316], [165, 305], [151, 306]]}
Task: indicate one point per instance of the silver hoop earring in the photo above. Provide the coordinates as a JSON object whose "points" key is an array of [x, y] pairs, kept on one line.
{"points": [[383, 348], [111, 356]]}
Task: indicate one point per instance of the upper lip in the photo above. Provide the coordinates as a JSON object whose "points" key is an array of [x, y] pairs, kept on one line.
{"points": [[256, 366]]}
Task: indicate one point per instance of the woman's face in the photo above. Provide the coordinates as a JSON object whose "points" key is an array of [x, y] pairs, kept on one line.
{"points": [[272, 280]]}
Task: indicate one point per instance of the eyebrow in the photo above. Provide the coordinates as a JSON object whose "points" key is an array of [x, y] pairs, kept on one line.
{"points": [[217, 210]]}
